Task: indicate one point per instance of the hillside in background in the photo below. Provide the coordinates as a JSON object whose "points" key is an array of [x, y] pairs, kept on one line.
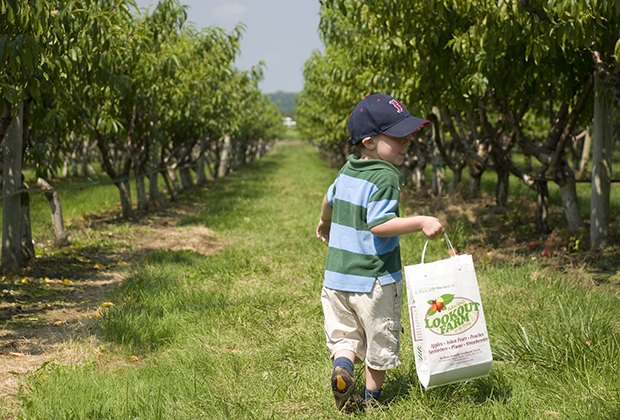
{"points": [[286, 102]]}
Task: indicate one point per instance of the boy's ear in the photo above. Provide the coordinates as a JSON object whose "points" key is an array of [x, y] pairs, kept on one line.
{"points": [[369, 143]]}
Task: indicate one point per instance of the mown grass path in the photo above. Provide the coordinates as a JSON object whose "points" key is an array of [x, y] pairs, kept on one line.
{"points": [[238, 334]]}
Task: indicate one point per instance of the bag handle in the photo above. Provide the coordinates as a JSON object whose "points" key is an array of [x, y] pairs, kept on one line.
{"points": [[449, 245]]}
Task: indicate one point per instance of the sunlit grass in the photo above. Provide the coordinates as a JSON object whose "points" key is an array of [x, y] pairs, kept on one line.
{"points": [[239, 334]]}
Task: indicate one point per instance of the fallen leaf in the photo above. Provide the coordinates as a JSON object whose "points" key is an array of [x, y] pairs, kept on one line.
{"points": [[66, 282], [97, 266], [57, 323], [106, 304], [17, 354], [134, 358]]}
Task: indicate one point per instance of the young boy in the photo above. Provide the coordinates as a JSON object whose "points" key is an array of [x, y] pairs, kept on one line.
{"points": [[362, 288]]}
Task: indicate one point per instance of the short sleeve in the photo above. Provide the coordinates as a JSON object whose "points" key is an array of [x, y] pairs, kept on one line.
{"points": [[331, 193], [382, 206]]}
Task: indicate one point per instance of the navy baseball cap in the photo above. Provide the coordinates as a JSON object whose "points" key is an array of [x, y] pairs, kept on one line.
{"points": [[379, 113]]}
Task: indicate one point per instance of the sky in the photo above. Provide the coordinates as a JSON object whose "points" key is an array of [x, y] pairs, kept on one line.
{"points": [[281, 33]]}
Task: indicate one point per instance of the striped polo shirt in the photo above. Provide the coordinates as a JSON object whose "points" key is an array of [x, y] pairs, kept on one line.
{"points": [[364, 194]]}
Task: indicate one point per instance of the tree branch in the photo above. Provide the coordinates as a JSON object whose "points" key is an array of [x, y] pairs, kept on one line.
{"points": [[539, 12]]}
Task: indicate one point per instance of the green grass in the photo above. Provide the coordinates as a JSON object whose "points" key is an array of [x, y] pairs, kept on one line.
{"points": [[239, 334], [292, 133]]}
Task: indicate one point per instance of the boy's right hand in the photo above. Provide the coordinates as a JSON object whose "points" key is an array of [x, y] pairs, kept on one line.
{"points": [[322, 231], [431, 227]]}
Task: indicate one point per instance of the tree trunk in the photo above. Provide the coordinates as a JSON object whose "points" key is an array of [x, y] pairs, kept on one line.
{"points": [[260, 147], [418, 176], [141, 199], [457, 176], [502, 187], [439, 172], [27, 246], [57, 221], [585, 152], [475, 181], [200, 170], [439, 180], [139, 170], [124, 192], [121, 177], [12, 181], [187, 181], [86, 160], [169, 184], [172, 178], [602, 154], [225, 152], [568, 193], [542, 207], [201, 164], [155, 196]]}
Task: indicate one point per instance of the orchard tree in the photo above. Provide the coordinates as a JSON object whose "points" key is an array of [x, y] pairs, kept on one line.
{"points": [[492, 77], [23, 41]]}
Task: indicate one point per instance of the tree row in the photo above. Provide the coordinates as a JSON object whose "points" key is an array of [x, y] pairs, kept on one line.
{"points": [[522, 88], [141, 95]]}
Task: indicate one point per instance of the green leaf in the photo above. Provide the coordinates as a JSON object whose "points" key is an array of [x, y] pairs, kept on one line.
{"points": [[431, 313], [447, 298], [617, 51], [430, 302]]}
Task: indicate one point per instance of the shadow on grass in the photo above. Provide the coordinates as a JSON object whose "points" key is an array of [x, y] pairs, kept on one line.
{"points": [[494, 388], [58, 297]]}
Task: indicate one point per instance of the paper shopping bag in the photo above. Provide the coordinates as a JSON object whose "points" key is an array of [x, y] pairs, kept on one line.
{"points": [[450, 339]]}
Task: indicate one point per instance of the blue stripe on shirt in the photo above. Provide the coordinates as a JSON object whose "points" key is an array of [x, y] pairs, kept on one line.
{"points": [[354, 190], [359, 284], [360, 241], [380, 209]]}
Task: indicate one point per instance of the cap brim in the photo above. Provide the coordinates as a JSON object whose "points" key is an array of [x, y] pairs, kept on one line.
{"points": [[406, 127]]}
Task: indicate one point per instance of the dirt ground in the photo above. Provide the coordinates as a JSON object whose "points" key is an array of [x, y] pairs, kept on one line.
{"points": [[46, 311]]}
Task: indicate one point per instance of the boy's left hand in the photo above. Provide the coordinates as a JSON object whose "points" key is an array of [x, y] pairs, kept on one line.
{"points": [[322, 231]]}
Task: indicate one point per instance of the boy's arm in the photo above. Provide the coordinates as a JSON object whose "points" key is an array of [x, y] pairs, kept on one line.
{"points": [[430, 226], [325, 221]]}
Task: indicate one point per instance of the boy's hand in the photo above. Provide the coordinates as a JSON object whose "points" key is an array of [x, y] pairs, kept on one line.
{"points": [[322, 230], [431, 227]]}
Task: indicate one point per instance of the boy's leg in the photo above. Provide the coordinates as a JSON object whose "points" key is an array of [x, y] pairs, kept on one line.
{"points": [[381, 313], [345, 353], [374, 382], [343, 381], [344, 338], [374, 379]]}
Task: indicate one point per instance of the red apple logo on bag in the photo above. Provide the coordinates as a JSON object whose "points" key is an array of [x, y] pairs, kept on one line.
{"points": [[438, 304], [451, 315]]}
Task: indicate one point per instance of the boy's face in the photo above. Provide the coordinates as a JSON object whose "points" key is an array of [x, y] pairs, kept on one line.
{"points": [[389, 149]]}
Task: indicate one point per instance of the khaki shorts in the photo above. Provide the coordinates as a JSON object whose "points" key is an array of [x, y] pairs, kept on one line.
{"points": [[366, 323]]}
